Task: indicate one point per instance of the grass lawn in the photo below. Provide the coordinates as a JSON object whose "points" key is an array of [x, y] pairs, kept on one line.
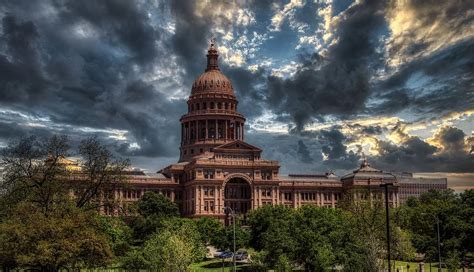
{"points": [[416, 267], [215, 265]]}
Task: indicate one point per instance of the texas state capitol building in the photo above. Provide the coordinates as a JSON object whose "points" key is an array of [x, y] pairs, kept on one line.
{"points": [[217, 168]]}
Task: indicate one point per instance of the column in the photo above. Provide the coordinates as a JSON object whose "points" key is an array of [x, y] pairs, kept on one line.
{"points": [[242, 131], [238, 132], [225, 129], [188, 134], [293, 195], [197, 130], [273, 196], [222, 201], [207, 130], [182, 132], [196, 202], [216, 206], [318, 199], [333, 203], [235, 131], [254, 199], [201, 205], [398, 200], [215, 130], [172, 196], [259, 197]]}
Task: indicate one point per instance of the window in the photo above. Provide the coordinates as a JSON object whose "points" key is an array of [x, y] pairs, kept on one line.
{"points": [[208, 191], [266, 175], [308, 196], [267, 192], [288, 196], [201, 150], [212, 105], [209, 173], [192, 151], [209, 206]]}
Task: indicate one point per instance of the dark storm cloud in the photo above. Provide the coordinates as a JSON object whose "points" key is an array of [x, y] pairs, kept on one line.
{"points": [[303, 152], [82, 66], [191, 38], [339, 83], [449, 86], [250, 96], [21, 78], [124, 23]]}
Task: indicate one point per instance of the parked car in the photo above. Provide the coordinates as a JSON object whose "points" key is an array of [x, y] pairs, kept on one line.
{"points": [[226, 255], [218, 253], [241, 256]]}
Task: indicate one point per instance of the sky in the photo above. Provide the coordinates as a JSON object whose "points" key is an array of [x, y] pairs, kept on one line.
{"points": [[322, 84]]}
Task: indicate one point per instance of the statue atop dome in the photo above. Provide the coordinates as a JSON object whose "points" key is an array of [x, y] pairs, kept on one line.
{"points": [[212, 56]]}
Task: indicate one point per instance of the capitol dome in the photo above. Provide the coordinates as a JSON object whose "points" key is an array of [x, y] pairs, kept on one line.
{"points": [[212, 80]]}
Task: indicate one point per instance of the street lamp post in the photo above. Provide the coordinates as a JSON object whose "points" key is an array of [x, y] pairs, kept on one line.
{"points": [[436, 217], [439, 243], [387, 218], [233, 222]]}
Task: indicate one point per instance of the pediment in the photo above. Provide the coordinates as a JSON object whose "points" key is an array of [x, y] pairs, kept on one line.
{"points": [[237, 145]]}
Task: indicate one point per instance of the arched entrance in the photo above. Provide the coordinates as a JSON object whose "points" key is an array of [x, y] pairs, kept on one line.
{"points": [[237, 195]]}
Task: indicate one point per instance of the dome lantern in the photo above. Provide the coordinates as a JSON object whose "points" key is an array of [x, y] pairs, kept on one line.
{"points": [[212, 56]]}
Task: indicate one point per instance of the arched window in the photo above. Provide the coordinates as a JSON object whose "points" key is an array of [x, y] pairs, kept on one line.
{"points": [[204, 106], [212, 105], [226, 105], [197, 106], [219, 105]]}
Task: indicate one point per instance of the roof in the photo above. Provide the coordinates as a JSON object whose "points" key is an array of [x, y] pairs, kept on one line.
{"points": [[212, 80], [237, 145], [365, 171], [326, 177]]}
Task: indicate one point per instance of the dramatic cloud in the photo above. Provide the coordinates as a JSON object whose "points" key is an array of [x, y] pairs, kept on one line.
{"points": [[336, 84], [322, 84]]}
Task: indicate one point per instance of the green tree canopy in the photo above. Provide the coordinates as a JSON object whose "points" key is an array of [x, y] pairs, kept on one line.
{"points": [[455, 213], [173, 248], [64, 238], [153, 204], [153, 212]]}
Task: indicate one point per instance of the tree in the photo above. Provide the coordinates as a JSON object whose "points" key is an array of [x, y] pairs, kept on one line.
{"points": [[168, 252], [103, 174], [224, 239], [175, 247], [118, 233], [455, 214], [35, 170], [31, 170], [368, 225], [210, 230], [153, 204], [326, 238], [271, 230], [153, 212], [64, 238]]}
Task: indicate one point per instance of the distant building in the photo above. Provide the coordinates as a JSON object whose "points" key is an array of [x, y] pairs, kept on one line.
{"points": [[411, 186], [218, 169]]}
